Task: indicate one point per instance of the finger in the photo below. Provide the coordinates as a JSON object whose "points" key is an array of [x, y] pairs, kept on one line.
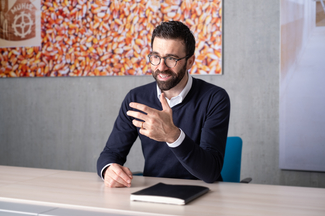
{"points": [[163, 101], [128, 172], [137, 115], [109, 182], [138, 124], [123, 178], [141, 107], [113, 184], [117, 173]]}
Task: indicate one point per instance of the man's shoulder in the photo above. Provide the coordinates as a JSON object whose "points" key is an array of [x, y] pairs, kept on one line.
{"points": [[143, 93], [209, 95], [203, 86], [146, 88]]}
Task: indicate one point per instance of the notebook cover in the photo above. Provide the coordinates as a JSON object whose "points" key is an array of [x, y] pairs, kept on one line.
{"points": [[169, 194]]}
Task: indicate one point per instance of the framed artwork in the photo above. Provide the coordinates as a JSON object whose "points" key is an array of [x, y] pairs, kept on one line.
{"points": [[100, 37]]}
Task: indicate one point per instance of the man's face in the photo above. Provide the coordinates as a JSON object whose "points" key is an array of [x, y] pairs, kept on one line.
{"points": [[168, 78]]}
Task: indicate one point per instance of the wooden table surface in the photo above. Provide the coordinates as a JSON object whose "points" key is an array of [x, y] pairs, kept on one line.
{"points": [[86, 191]]}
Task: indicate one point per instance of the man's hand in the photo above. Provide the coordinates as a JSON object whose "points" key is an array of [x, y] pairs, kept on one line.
{"points": [[157, 125], [117, 176]]}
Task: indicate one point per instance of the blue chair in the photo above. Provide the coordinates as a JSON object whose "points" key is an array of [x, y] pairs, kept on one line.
{"points": [[232, 161]]}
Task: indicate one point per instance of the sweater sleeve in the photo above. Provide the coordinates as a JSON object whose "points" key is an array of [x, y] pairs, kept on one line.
{"points": [[204, 160], [120, 140]]}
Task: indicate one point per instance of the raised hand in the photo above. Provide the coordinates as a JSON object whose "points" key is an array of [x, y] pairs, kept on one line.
{"points": [[155, 124]]}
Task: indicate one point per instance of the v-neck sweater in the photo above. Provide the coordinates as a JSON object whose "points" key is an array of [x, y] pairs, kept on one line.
{"points": [[204, 118]]}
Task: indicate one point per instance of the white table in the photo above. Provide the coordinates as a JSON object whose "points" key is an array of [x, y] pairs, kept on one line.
{"points": [[79, 193]]}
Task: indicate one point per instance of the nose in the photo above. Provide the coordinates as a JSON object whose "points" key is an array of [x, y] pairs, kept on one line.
{"points": [[162, 66]]}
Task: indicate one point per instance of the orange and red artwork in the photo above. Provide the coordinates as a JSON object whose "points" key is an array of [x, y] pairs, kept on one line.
{"points": [[101, 37]]}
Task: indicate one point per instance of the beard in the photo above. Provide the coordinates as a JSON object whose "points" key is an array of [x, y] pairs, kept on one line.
{"points": [[173, 81]]}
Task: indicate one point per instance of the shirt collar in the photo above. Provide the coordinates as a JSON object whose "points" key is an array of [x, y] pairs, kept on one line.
{"points": [[179, 98]]}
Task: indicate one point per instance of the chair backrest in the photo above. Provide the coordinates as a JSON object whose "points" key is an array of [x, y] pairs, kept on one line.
{"points": [[232, 161]]}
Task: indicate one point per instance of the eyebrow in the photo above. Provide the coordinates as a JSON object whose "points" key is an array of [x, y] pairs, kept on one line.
{"points": [[168, 54]]}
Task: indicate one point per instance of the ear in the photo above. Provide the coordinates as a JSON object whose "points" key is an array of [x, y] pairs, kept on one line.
{"points": [[190, 62]]}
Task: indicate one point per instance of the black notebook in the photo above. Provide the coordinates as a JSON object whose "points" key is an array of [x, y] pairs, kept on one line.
{"points": [[169, 194]]}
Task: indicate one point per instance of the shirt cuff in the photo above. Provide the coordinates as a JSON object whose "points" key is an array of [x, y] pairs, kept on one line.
{"points": [[179, 140], [101, 172]]}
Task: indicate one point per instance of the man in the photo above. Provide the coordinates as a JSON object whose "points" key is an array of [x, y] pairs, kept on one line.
{"points": [[182, 122]]}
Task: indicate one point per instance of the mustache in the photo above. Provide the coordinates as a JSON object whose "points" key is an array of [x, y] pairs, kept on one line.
{"points": [[168, 72]]}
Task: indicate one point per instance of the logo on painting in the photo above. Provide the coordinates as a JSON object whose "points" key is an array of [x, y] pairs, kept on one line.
{"points": [[17, 23]]}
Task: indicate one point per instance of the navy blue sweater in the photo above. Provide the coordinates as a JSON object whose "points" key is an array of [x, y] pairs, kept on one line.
{"points": [[203, 116]]}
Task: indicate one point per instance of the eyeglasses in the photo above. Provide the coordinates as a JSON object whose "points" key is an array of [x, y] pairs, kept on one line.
{"points": [[169, 61]]}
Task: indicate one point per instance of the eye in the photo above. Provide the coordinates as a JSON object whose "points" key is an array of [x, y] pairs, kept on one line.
{"points": [[171, 59]]}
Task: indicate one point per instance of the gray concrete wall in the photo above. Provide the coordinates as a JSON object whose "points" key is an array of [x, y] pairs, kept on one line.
{"points": [[63, 123]]}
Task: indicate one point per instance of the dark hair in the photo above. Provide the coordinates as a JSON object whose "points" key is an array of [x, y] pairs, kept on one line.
{"points": [[175, 30]]}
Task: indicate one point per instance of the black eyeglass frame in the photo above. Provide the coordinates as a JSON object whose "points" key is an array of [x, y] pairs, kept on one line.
{"points": [[165, 60]]}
